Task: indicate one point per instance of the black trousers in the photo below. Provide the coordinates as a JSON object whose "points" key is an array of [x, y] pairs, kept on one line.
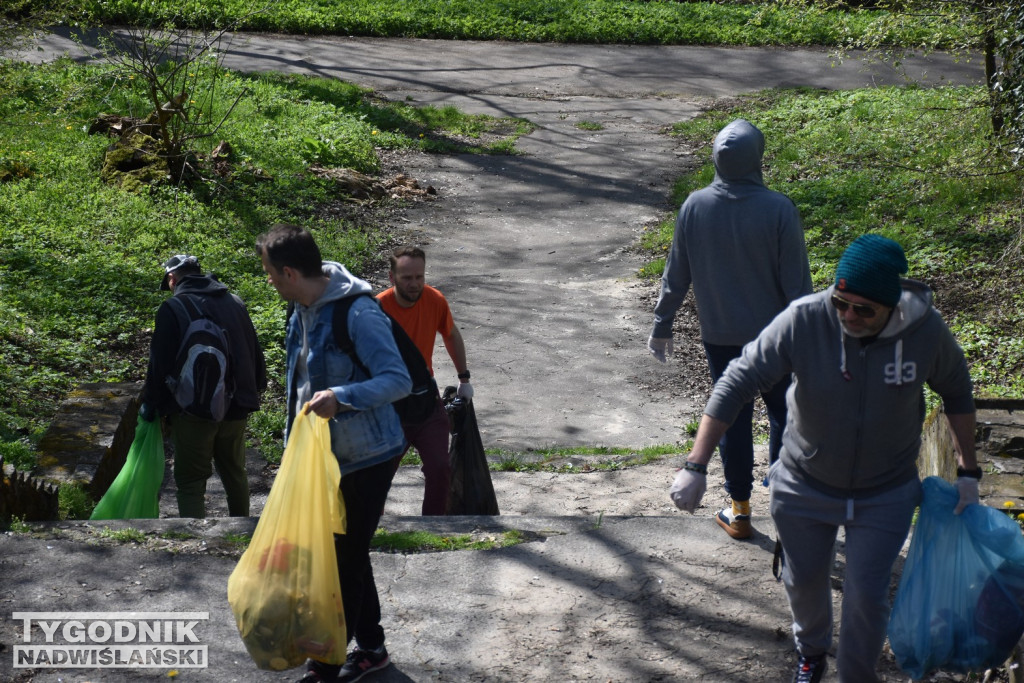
{"points": [[365, 491]]}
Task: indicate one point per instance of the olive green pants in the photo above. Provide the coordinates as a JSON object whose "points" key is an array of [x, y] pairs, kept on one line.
{"points": [[199, 446]]}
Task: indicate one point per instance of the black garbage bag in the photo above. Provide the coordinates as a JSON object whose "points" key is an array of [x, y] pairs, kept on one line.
{"points": [[472, 492]]}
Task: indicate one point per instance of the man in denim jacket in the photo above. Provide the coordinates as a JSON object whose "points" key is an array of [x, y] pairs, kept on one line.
{"points": [[365, 431]]}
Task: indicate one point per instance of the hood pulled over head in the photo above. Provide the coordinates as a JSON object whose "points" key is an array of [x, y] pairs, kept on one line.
{"points": [[737, 153]]}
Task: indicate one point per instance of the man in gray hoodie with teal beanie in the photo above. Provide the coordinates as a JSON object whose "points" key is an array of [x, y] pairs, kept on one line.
{"points": [[859, 355], [365, 430], [741, 247]]}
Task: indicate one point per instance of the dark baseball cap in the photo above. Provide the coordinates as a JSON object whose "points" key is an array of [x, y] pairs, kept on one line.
{"points": [[178, 261]]}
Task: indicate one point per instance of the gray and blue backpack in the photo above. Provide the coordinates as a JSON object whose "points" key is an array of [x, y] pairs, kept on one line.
{"points": [[200, 382]]}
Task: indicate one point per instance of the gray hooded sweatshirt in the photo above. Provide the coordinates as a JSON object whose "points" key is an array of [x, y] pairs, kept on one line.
{"points": [[855, 408], [738, 243], [367, 431]]}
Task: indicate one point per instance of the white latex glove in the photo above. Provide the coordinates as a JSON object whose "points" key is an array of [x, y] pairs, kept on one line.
{"points": [[465, 390], [660, 348], [968, 489], [688, 489]]}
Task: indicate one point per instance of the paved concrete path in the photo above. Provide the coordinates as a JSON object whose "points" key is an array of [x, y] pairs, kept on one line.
{"points": [[534, 251], [612, 599]]}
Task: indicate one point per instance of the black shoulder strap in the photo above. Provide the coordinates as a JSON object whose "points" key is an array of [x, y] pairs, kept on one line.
{"points": [[181, 313], [339, 322], [178, 303]]}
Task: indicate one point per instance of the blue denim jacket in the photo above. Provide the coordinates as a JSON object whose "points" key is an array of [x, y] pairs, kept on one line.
{"points": [[367, 430]]}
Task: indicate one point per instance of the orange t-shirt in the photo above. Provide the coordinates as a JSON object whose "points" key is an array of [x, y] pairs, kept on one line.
{"points": [[421, 321]]}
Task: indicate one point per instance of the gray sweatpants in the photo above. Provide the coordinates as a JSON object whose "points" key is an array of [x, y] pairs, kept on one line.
{"points": [[807, 522]]}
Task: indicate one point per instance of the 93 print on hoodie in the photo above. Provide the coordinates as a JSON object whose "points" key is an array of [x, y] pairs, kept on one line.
{"points": [[858, 437]]}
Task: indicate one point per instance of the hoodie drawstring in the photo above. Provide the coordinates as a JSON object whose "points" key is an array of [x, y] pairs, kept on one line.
{"points": [[899, 362], [842, 356]]}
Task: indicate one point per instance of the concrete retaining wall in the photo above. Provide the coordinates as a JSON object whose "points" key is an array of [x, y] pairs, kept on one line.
{"points": [[88, 441]]}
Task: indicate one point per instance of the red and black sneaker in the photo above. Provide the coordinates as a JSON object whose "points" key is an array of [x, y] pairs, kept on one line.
{"points": [[810, 669], [361, 662]]}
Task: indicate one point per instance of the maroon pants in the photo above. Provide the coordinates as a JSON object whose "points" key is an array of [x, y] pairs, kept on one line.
{"points": [[430, 438]]}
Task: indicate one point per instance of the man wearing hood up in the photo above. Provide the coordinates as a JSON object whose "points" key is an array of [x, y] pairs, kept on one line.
{"points": [[365, 431], [859, 354], [741, 247]]}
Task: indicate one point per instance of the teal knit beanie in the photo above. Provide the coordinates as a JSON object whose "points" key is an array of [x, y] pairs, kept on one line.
{"points": [[871, 267]]}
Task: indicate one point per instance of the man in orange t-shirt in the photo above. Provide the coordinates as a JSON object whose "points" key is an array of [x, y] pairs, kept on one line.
{"points": [[423, 313]]}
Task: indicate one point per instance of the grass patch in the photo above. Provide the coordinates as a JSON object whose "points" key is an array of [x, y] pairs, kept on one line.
{"points": [[655, 22], [80, 260], [126, 535], [583, 459], [15, 525], [423, 541], [912, 164], [74, 502], [177, 535], [589, 125], [411, 458], [237, 541]]}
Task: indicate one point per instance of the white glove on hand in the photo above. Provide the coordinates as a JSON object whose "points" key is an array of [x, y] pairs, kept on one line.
{"points": [[660, 348], [688, 489], [465, 390], [968, 489]]}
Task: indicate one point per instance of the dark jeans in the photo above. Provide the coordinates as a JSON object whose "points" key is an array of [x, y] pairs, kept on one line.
{"points": [[737, 446], [364, 492]]}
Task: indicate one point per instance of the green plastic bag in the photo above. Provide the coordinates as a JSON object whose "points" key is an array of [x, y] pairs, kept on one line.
{"points": [[135, 493]]}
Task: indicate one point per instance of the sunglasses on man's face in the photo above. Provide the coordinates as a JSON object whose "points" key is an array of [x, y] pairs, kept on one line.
{"points": [[860, 310]]}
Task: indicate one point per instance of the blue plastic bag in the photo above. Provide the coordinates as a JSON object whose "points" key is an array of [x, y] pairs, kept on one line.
{"points": [[960, 602]]}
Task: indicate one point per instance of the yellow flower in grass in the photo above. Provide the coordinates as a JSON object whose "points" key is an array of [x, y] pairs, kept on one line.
{"points": [[1009, 504]]}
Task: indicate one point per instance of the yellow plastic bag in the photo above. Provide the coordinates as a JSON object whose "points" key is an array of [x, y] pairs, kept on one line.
{"points": [[284, 592]]}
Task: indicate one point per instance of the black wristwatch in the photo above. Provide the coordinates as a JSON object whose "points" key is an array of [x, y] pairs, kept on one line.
{"points": [[973, 474], [464, 375]]}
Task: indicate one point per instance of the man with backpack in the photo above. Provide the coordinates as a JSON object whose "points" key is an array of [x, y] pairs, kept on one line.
{"points": [[423, 313], [206, 373], [354, 391]]}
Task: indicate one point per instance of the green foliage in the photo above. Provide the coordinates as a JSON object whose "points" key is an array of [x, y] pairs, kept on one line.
{"points": [[1011, 47], [74, 502], [20, 19], [579, 459], [656, 22], [79, 259], [411, 459], [912, 164], [18, 453], [177, 535], [894, 28], [237, 541], [15, 525], [424, 541], [126, 535]]}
